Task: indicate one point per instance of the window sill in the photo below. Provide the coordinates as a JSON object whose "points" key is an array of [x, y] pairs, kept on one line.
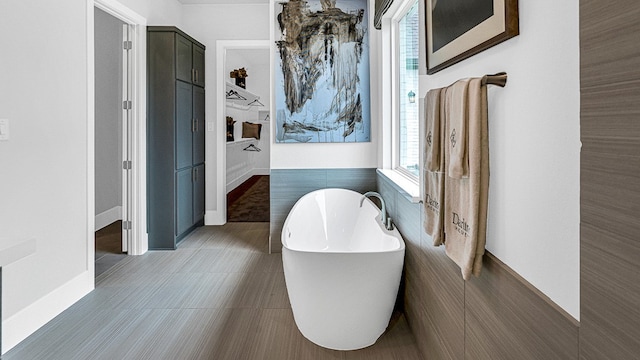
{"points": [[407, 187]]}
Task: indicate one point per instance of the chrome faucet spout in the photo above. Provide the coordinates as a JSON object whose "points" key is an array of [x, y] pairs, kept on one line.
{"points": [[386, 221]]}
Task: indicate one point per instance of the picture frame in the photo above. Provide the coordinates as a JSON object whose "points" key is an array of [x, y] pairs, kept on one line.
{"points": [[458, 29], [321, 72]]}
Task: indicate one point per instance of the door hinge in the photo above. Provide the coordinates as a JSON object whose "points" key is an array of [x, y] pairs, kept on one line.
{"points": [[126, 225], [126, 105], [126, 164], [127, 45]]}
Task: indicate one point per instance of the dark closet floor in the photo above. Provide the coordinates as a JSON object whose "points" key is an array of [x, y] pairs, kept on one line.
{"points": [[249, 202], [108, 247]]}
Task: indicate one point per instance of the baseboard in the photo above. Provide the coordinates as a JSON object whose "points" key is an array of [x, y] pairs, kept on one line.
{"points": [[213, 217], [108, 217], [24, 323], [238, 181], [261, 171]]}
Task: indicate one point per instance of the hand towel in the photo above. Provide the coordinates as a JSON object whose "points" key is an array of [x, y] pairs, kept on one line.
{"points": [[433, 173], [465, 202], [432, 130], [457, 137]]}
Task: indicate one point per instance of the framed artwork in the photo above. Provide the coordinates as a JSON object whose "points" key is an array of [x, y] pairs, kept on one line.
{"points": [[458, 29], [322, 71]]}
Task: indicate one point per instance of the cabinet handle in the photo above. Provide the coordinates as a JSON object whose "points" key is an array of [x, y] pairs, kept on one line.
{"points": [[197, 76], [193, 75], [195, 127]]}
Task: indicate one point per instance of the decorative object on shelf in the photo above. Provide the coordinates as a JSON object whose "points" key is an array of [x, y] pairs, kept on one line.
{"points": [[322, 68], [251, 130], [458, 29], [240, 75], [230, 123]]}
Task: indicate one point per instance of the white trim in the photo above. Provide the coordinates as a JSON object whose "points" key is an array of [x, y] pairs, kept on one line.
{"points": [[139, 237], [405, 185], [212, 217], [25, 322], [108, 217], [261, 171], [118, 10], [389, 53], [219, 215], [238, 181], [91, 173], [244, 177]]}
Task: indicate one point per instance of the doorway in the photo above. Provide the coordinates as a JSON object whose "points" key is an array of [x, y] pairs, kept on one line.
{"points": [[130, 102], [248, 153], [243, 173], [112, 143]]}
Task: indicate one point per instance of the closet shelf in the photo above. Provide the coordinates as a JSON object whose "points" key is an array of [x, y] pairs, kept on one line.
{"points": [[240, 98], [241, 141]]}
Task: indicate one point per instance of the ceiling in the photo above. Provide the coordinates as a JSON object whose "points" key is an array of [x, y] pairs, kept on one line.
{"points": [[218, 2]]}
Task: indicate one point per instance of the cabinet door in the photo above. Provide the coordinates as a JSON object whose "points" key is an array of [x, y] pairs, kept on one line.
{"points": [[198, 134], [184, 125], [184, 200], [183, 58], [198, 65], [198, 193]]}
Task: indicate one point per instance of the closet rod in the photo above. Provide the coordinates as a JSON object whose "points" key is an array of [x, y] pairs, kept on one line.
{"points": [[499, 79]]}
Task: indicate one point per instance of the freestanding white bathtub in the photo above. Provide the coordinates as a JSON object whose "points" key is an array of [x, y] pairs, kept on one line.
{"points": [[342, 268]]}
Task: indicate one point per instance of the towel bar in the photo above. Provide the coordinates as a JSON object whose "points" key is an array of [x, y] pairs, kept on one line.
{"points": [[499, 79]]}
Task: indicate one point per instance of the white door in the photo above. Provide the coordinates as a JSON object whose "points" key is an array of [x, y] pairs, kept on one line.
{"points": [[127, 117]]}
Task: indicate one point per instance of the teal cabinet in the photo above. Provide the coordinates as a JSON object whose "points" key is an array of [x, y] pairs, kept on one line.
{"points": [[175, 136]]}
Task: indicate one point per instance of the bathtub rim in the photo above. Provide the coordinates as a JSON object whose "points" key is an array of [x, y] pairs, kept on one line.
{"points": [[394, 233]]}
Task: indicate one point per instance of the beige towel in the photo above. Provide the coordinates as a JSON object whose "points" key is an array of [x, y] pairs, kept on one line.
{"points": [[457, 120], [434, 165], [432, 130], [466, 198]]}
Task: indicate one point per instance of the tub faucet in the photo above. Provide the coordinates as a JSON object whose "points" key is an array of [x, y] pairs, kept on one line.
{"points": [[384, 218]]}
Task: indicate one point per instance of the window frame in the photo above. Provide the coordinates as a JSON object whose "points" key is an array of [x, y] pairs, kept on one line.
{"points": [[396, 17]]}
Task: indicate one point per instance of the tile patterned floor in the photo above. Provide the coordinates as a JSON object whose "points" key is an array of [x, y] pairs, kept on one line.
{"points": [[220, 295]]}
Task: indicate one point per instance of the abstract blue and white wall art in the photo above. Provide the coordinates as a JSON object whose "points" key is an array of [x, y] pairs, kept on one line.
{"points": [[322, 71]]}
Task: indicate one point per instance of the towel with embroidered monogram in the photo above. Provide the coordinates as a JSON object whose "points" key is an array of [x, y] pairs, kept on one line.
{"points": [[466, 189], [458, 122], [433, 173]]}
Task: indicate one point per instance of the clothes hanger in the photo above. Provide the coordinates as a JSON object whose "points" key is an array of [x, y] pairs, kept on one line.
{"points": [[234, 95], [256, 101], [252, 147]]}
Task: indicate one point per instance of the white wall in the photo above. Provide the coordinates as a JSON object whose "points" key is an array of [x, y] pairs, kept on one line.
{"points": [[334, 155], [46, 174], [157, 12], [534, 129]]}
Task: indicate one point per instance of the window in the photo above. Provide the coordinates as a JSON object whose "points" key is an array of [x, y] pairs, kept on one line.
{"points": [[406, 45]]}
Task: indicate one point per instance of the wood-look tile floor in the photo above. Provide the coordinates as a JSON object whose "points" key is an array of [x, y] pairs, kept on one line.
{"points": [[220, 295]]}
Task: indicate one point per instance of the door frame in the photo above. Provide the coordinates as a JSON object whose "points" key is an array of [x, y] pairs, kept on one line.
{"points": [[219, 216], [138, 242]]}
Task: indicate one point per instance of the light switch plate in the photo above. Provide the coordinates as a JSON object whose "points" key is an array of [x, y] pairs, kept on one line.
{"points": [[4, 129], [210, 126]]}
